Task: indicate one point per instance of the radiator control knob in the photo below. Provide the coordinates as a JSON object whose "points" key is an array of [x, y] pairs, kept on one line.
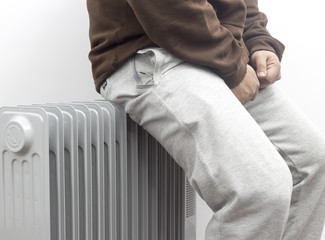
{"points": [[18, 135]]}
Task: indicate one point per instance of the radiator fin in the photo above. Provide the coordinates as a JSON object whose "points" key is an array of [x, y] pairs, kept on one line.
{"points": [[68, 194]]}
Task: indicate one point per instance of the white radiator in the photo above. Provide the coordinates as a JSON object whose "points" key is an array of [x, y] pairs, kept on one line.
{"points": [[86, 171]]}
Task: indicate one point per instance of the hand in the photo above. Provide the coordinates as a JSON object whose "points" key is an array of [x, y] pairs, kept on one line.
{"points": [[267, 66], [248, 87]]}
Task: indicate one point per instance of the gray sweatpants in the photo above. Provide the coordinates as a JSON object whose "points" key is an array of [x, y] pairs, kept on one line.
{"points": [[259, 167]]}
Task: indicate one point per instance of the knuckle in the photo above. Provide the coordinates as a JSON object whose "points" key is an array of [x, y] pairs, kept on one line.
{"points": [[258, 85], [268, 81], [252, 93]]}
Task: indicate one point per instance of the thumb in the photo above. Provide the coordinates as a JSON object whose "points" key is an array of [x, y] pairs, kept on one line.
{"points": [[261, 71]]}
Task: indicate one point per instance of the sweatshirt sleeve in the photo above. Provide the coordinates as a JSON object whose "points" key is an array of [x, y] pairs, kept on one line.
{"points": [[256, 36], [191, 31]]}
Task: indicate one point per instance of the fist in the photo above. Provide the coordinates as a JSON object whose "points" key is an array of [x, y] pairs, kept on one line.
{"points": [[267, 67], [248, 87]]}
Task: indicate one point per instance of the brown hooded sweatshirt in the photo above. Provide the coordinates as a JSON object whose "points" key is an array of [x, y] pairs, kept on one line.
{"points": [[219, 34]]}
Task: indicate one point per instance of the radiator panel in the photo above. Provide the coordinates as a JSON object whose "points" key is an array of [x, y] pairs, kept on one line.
{"points": [[86, 171], [24, 174]]}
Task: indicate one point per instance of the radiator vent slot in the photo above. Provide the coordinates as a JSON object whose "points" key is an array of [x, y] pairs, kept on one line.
{"points": [[190, 200]]}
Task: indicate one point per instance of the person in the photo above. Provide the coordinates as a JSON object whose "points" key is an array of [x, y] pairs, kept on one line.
{"points": [[200, 77]]}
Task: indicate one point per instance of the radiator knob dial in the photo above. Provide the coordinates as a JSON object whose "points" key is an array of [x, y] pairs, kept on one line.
{"points": [[18, 135]]}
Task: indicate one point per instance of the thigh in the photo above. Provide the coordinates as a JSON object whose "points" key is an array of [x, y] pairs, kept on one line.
{"points": [[298, 141], [198, 120]]}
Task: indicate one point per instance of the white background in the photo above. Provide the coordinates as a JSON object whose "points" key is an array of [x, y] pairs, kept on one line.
{"points": [[44, 46]]}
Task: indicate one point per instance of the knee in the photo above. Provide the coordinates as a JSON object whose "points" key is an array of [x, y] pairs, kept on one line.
{"points": [[277, 198], [270, 193]]}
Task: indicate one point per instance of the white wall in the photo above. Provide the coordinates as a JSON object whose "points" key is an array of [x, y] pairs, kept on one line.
{"points": [[44, 47], [43, 52]]}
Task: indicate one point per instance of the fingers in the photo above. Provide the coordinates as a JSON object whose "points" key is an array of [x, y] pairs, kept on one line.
{"points": [[267, 67], [260, 62], [273, 75], [258, 86], [261, 70]]}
